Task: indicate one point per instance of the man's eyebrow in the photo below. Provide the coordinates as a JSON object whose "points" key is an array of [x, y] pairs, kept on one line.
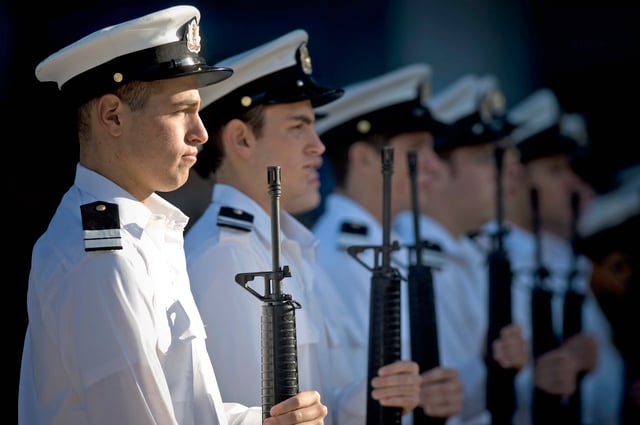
{"points": [[189, 102], [304, 118]]}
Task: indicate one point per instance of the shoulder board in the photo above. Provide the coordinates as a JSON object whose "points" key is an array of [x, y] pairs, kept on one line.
{"points": [[484, 240], [432, 254], [235, 219], [352, 233], [101, 226]]}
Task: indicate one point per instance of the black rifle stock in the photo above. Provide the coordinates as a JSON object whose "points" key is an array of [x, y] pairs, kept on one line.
{"points": [[572, 313], [547, 408], [500, 388], [422, 310], [279, 343], [384, 310]]}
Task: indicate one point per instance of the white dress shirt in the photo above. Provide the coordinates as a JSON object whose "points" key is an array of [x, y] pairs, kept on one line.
{"points": [[461, 299], [114, 336], [232, 315], [602, 389], [351, 283]]}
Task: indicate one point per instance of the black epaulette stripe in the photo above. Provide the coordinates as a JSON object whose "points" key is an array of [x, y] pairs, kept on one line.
{"points": [[432, 254], [235, 219], [354, 228], [352, 234], [101, 226], [433, 258]]}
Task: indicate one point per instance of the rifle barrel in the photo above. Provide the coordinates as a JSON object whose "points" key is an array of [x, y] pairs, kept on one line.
{"points": [[547, 408], [278, 322], [384, 309], [500, 381], [572, 313], [422, 311]]}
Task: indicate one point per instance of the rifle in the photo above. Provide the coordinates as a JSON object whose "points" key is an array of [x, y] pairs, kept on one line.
{"points": [[279, 345], [422, 310], [572, 312], [500, 387], [546, 407], [384, 303]]}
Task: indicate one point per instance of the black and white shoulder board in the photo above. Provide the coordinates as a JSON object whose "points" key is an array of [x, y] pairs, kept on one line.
{"points": [[235, 218], [352, 233], [101, 226], [432, 254]]}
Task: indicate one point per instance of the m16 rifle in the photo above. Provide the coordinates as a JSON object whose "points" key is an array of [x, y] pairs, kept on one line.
{"points": [[384, 310], [422, 310], [279, 342], [500, 381], [547, 408], [572, 313]]}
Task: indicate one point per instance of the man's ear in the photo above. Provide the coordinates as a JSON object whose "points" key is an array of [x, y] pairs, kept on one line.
{"points": [[236, 136], [108, 113]]}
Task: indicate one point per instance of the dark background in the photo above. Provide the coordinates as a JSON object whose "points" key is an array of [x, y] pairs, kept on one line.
{"points": [[587, 52]]}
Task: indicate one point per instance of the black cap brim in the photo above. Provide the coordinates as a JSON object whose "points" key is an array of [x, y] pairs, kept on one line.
{"points": [[172, 60]]}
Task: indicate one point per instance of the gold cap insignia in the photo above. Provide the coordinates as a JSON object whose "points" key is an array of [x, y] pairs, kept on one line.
{"points": [[492, 105], [193, 37], [305, 59], [425, 91]]}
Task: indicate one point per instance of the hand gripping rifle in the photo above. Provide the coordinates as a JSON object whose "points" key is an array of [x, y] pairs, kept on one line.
{"points": [[279, 345], [500, 387], [546, 407], [384, 310], [572, 312], [422, 310]]}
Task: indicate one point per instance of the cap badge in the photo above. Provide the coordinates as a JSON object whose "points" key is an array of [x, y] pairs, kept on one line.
{"points": [[305, 59], [193, 37], [424, 91], [492, 106], [117, 77]]}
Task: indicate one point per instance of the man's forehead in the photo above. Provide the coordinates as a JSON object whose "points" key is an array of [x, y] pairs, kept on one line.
{"points": [[551, 160], [179, 89], [301, 110], [412, 138], [484, 147], [177, 84]]}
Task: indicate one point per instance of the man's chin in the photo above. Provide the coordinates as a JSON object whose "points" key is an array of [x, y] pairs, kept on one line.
{"points": [[303, 204]]}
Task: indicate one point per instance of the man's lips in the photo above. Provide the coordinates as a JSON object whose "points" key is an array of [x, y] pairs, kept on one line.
{"points": [[312, 171], [191, 156]]}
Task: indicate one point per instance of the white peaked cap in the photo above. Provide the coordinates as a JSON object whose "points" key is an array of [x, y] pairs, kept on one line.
{"points": [[279, 71], [402, 85], [458, 100], [160, 45], [474, 109], [612, 208], [537, 112], [467, 95], [574, 126], [256, 63]]}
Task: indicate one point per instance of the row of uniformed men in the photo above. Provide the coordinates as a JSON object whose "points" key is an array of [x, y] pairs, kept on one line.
{"points": [[117, 327]]}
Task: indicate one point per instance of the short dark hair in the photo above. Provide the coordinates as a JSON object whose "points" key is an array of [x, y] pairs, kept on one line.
{"points": [[135, 94]]}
